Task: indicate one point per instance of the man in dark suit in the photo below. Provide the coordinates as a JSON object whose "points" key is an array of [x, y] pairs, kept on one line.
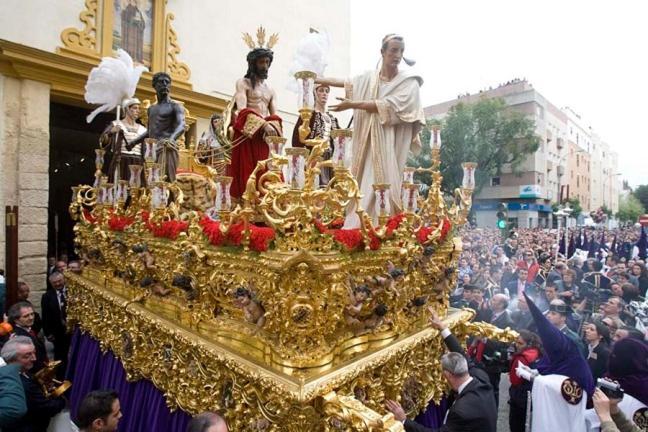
{"points": [[495, 358], [520, 284], [20, 350], [473, 408], [21, 316], [54, 307]]}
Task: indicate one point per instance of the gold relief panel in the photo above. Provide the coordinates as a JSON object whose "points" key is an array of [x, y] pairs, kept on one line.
{"points": [[140, 27]]}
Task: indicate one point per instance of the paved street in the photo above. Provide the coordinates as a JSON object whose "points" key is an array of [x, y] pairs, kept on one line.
{"points": [[502, 418]]}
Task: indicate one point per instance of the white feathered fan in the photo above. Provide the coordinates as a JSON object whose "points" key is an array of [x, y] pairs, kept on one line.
{"points": [[114, 80], [311, 55]]}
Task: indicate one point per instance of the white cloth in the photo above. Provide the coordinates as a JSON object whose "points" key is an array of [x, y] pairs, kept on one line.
{"points": [[383, 140], [61, 422], [551, 412], [463, 386], [628, 407], [130, 133]]}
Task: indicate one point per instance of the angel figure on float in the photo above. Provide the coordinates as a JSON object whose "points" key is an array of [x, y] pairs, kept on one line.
{"points": [[358, 296], [253, 311]]}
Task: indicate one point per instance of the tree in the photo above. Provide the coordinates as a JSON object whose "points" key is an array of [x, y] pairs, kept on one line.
{"points": [[486, 132], [576, 207], [641, 192], [630, 209]]}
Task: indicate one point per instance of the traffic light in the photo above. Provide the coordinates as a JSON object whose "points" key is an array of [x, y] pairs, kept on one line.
{"points": [[502, 218]]}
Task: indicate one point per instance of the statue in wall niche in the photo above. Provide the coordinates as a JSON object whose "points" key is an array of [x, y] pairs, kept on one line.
{"points": [[253, 311]]}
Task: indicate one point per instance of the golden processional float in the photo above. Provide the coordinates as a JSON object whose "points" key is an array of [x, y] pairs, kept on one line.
{"points": [[271, 311]]}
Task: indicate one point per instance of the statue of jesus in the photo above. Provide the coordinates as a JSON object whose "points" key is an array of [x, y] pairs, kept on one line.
{"points": [[254, 119], [387, 119]]}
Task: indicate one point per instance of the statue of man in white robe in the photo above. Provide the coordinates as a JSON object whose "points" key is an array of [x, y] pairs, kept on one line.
{"points": [[387, 119]]}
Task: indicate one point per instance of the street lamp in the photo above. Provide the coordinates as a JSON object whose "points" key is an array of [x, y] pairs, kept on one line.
{"points": [[560, 213]]}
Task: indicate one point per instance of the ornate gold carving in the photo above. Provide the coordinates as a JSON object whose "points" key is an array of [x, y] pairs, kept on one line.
{"points": [[253, 123], [176, 68], [84, 40], [203, 364], [268, 332]]}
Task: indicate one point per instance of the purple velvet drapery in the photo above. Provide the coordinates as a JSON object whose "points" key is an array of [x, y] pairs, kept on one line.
{"points": [[433, 415], [142, 404]]}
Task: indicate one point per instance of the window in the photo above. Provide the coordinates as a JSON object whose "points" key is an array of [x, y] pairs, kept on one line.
{"points": [[495, 181], [577, 181], [577, 160]]}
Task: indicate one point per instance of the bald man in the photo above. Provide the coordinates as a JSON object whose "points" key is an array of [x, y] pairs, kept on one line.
{"points": [[207, 422]]}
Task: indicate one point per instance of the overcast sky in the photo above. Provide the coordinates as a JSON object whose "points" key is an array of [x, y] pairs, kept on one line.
{"points": [[589, 55]]}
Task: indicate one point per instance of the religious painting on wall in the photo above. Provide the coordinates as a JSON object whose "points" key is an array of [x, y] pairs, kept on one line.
{"points": [[133, 28]]}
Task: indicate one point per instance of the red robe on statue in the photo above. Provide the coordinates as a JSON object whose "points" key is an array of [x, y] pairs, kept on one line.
{"points": [[248, 126]]}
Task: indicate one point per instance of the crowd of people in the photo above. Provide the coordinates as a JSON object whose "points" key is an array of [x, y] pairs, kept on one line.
{"points": [[592, 297]]}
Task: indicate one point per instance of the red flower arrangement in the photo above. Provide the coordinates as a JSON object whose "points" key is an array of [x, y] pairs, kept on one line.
{"points": [[374, 241], [424, 232], [351, 239], [168, 229], [88, 216], [445, 229], [321, 227], [393, 223], [119, 223], [211, 229], [235, 234], [337, 223], [260, 238]]}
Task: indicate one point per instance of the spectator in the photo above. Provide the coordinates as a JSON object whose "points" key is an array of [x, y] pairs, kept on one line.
{"points": [[12, 396], [522, 319], [75, 267], [611, 417], [99, 411], [597, 336], [54, 307], [23, 296], [473, 410], [527, 351], [520, 284], [629, 367], [569, 286], [611, 308], [21, 351], [207, 422], [495, 361], [557, 316], [21, 316], [627, 332], [478, 304], [641, 273]]}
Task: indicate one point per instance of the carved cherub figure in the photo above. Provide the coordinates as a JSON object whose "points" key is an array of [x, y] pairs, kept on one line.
{"points": [[358, 295], [253, 311], [377, 318], [145, 256], [390, 281]]}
